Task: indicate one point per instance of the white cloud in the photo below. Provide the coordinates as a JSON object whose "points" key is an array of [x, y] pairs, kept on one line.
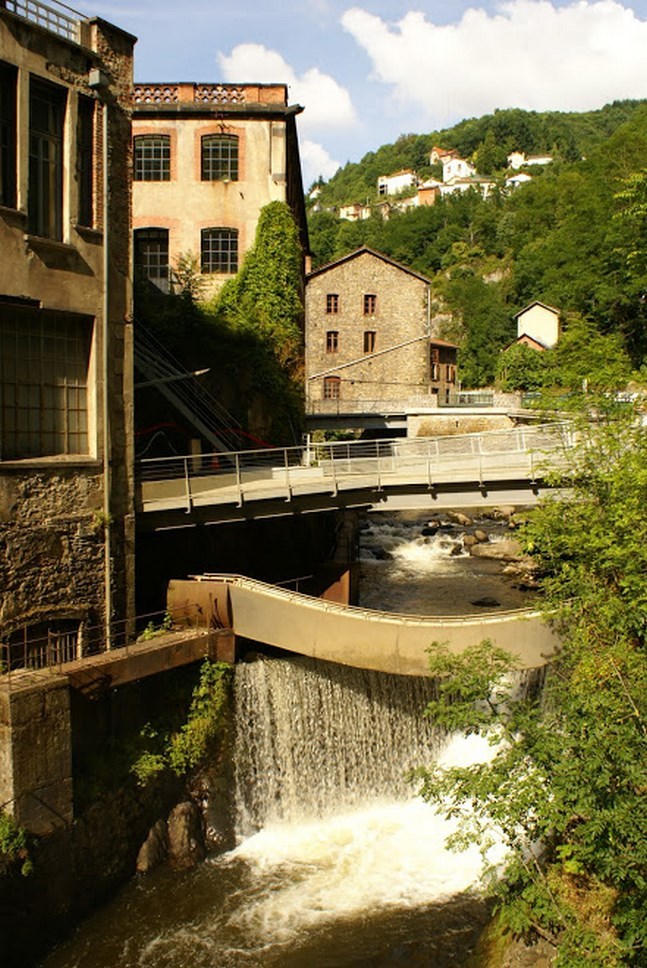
{"points": [[528, 53], [316, 161], [327, 104]]}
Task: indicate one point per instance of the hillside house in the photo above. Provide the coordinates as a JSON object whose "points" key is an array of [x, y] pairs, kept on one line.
{"points": [[441, 155], [207, 158], [66, 436], [518, 159], [369, 338], [455, 167], [538, 326], [354, 213], [397, 182]]}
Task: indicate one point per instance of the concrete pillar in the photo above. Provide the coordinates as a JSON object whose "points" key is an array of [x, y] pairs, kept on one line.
{"points": [[36, 753]]}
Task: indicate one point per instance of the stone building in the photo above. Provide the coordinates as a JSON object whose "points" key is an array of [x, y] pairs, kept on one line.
{"points": [[66, 487], [207, 158], [369, 338]]}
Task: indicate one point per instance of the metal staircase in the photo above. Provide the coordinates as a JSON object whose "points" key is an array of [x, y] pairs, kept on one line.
{"points": [[185, 392]]}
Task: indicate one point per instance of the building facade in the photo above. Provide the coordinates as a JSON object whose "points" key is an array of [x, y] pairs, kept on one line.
{"points": [[539, 322], [66, 488], [369, 338], [207, 158]]}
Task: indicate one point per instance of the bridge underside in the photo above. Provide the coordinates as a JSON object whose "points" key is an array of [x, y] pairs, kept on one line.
{"points": [[520, 493]]}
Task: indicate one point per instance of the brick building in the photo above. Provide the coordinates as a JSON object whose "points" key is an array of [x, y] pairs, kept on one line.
{"points": [[207, 158], [369, 338], [66, 488]]}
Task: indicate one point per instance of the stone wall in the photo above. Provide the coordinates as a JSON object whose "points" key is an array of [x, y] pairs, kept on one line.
{"points": [[401, 317]]}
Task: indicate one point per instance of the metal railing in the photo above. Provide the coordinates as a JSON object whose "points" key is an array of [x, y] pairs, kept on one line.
{"points": [[54, 16], [240, 476], [53, 651]]}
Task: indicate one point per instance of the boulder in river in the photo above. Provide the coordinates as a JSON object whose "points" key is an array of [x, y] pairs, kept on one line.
{"points": [[153, 851], [186, 846], [506, 550]]}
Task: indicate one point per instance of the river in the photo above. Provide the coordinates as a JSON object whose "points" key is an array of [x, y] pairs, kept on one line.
{"points": [[337, 862]]}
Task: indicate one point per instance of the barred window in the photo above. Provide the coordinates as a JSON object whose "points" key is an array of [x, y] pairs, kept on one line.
{"points": [[331, 387], [219, 250], [44, 365], [219, 157], [46, 120], [151, 256], [332, 341], [152, 157], [8, 136]]}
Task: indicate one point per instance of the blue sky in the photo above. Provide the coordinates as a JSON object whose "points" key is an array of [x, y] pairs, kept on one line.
{"points": [[369, 71]]}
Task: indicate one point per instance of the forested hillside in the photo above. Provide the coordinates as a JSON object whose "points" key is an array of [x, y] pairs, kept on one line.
{"points": [[574, 237]]}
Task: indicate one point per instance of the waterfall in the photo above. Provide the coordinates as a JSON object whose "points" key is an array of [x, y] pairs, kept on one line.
{"points": [[315, 739]]}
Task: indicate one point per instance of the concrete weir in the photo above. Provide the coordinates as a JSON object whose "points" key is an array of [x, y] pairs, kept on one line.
{"points": [[365, 639]]}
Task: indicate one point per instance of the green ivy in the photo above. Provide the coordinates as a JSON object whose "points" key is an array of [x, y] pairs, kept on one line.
{"points": [[188, 747], [14, 845]]}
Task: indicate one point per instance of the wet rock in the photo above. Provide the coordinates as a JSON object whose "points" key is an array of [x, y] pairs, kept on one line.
{"points": [[487, 602], [457, 549], [154, 849], [459, 518], [481, 536], [505, 550], [186, 846], [430, 529], [469, 540]]}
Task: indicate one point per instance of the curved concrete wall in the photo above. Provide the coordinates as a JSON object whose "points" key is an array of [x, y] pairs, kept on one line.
{"points": [[359, 637]]}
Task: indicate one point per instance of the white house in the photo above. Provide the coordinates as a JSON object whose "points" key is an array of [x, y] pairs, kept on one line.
{"points": [[519, 159], [540, 323], [455, 167], [516, 180], [392, 184]]}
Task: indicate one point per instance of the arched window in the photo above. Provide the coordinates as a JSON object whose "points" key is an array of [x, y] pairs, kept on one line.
{"points": [[219, 250], [152, 157], [151, 256], [219, 157]]}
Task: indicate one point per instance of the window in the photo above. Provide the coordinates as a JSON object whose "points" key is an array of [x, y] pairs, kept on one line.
{"points": [[332, 303], [331, 387], [44, 644], [219, 250], [435, 371], [332, 341], [85, 160], [219, 157], [151, 256], [369, 341], [370, 304], [449, 373], [8, 135], [44, 364], [46, 119], [152, 157]]}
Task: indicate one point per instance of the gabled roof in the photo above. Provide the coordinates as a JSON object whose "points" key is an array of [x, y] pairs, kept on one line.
{"points": [[526, 340], [364, 250], [536, 303]]}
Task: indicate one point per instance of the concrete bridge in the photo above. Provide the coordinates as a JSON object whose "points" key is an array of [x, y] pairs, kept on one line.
{"points": [[497, 467], [359, 637]]}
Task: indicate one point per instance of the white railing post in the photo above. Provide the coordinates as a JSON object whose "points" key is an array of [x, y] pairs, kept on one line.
{"points": [[239, 483], [288, 489], [429, 478], [187, 485], [334, 470]]}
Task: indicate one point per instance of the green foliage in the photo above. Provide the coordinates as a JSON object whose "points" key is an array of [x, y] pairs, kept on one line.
{"points": [[521, 368], [14, 846], [187, 279], [566, 786], [265, 295], [186, 748]]}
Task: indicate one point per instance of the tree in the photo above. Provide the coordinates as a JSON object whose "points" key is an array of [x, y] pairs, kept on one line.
{"points": [[566, 786], [521, 368]]}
